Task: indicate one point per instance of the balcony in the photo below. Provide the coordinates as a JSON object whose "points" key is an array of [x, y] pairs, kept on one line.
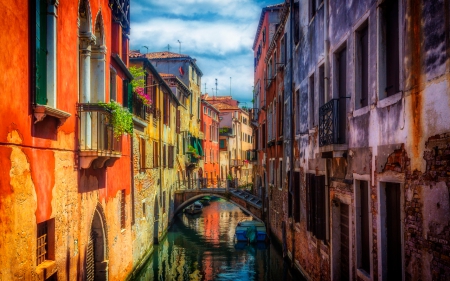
{"points": [[332, 126], [226, 131], [236, 162], [141, 111], [191, 161], [97, 145]]}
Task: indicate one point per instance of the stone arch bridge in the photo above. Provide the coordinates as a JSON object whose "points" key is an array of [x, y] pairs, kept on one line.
{"points": [[246, 201]]}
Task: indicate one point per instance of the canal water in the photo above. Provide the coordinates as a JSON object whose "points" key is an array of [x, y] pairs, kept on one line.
{"points": [[202, 247]]}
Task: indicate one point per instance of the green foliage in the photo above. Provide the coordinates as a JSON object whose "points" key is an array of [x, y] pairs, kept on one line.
{"points": [[224, 130], [139, 77], [229, 177], [122, 119]]}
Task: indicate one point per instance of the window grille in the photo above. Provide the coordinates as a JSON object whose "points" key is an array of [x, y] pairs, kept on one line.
{"points": [[122, 209], [41, 251]]}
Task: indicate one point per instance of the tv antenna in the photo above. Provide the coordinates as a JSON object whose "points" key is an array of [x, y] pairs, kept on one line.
{"points": [[180, 46]]}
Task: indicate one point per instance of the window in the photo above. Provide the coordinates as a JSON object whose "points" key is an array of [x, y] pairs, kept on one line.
{"points": [[45, 242], [171, 156], [164, 156], [112, 84], [272, 173], [341, 83], [296, 194], [166, 111], [297, 106], [280, 174], [297, 22], [263, 135], [312, 8], [221, 143], [363, 226], [178, 122], [155, 154], [362, 67], [164, 202], [269, 71], [41, 52], [315, 207], [142, 154], [321, 85], [283, 50], [312, 111], [390, 64], [122, 209], [280, 115]]}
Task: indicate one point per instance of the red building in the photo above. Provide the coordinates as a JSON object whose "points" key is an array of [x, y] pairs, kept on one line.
{"points": [[268, 22], [65, 177], [210, 143]]}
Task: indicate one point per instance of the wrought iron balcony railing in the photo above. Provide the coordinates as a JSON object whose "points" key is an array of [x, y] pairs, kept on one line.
{"points": [[190, 160], [332, 122], [140, 109], [96, 135]]}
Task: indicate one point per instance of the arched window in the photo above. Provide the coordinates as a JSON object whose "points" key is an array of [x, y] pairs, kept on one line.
{"points": [[97, 71]]}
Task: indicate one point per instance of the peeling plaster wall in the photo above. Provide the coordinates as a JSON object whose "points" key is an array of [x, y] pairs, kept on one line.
{"points": [[40, 179], [401, 138]]}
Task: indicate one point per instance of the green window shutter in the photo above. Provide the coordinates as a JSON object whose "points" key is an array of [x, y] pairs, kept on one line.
{"points": [[41, 52], [130, 97]]}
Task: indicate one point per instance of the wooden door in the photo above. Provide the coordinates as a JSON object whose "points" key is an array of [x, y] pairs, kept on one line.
{"points": [[393, 231], [345, 257]]}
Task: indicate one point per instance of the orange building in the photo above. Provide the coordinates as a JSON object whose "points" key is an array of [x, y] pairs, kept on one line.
{"points": [[65, 175], [210, 142]]}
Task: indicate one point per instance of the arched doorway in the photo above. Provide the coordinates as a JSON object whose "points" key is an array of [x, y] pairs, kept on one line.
{"points": [[156, 222], [96, 255]]}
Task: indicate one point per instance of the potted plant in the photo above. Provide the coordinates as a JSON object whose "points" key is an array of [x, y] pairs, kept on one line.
{"points": [[138, 84], [121, 118]]}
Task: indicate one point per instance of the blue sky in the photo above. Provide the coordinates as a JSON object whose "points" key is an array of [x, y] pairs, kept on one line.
{"points": [[218, 33]]}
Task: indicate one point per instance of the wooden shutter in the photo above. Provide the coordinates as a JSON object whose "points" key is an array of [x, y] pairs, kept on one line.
{"points": [[142, 153], [296, 194], [320, 208], [311, 202], [178, 121], [41, 52], [164, 156], [171, 159]]}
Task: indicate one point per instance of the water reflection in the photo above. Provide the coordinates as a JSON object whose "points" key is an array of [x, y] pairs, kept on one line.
{"points": [[202, 247]]}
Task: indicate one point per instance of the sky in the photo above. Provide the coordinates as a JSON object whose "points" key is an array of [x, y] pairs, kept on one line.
{"points": [[218, 33]]}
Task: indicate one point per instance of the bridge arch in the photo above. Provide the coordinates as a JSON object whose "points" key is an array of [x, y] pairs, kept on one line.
{"points": [[181, 205]]}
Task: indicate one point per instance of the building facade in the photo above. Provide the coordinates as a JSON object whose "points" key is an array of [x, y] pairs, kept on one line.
{"points": [[186, 70], [235, 139], [65, 188], [268, 21], [370, 98], [210, 143]]}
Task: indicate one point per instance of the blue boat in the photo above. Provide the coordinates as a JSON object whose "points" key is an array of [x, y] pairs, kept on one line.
{"points": [[251, 231]]}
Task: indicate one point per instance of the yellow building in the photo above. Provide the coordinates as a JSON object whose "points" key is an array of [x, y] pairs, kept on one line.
{"points": [[154, 109]]}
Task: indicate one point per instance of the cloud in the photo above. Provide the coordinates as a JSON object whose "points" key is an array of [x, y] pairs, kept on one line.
{"points": [[218, 33]]}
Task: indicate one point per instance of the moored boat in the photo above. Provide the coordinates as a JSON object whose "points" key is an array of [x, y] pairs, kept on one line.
{"points": [[195, 208], [251, 231]]}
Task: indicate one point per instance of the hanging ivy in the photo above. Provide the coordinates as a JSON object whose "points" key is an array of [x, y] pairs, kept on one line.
{"points": [[122, 119], [138, 84]]}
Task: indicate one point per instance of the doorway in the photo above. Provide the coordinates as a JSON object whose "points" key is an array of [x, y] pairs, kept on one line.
{"points": [[96, 255]]}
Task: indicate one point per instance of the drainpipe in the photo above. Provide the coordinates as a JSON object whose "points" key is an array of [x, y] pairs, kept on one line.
{"points": [[326, 50], [326, 91], [292, 137]]}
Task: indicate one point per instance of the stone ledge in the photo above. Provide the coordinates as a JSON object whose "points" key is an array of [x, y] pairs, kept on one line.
{"points": [[46, 269], [41, 111]]}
